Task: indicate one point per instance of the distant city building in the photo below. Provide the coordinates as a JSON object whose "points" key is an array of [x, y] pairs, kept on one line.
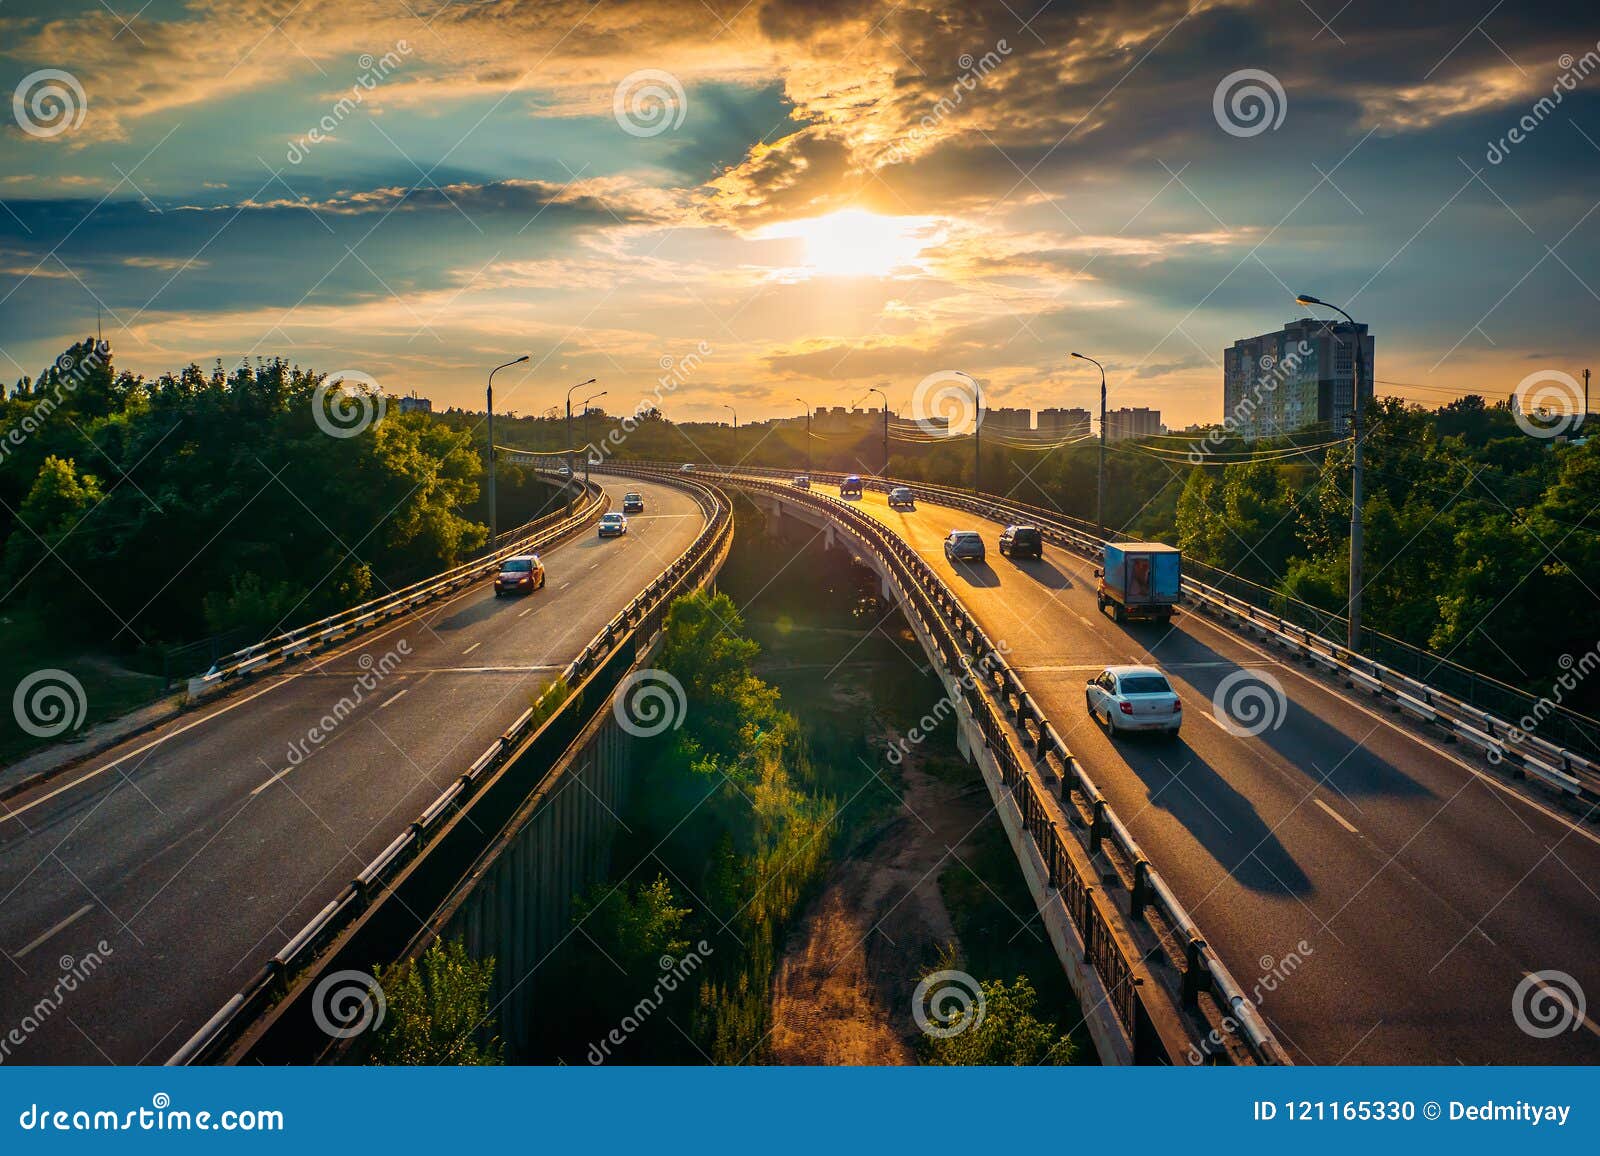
{"points": [[1065, 423], [1014, 420], [1139, 422], [843, 419], [1299, 376], [415, 404]]}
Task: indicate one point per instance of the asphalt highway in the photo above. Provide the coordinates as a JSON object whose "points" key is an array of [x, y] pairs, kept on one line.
{"points": [[195, 851], [1424, 888]]}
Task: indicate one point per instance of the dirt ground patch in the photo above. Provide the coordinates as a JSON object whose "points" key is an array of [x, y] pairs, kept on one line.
{"points": [[843, 989]]}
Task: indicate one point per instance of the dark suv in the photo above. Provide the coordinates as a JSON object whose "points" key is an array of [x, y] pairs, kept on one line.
{"points": [[1021, 542]]}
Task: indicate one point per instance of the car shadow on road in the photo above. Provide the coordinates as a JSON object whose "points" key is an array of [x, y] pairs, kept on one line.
{"points": [[1043, 571], [1222, 821], [480, 611], [1296, 733], [976, 573]]}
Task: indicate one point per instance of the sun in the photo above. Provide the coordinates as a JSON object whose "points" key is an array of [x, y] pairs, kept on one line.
{"points": [[856, 243]]}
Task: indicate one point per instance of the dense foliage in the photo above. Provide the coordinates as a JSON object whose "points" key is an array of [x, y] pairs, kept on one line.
{"points": [[728, 805], [438, 1010], [1480, 543], [155, 511]]}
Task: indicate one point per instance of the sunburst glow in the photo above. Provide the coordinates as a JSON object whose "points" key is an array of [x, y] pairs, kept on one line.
{"points": [[858, 243]]}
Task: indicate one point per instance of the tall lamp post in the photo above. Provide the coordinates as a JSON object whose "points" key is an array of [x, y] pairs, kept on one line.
{"points": [[977, 427], [494, 513], [1353, 633], [735, 414], [885, 397], [802, 401], [1100, 488], [586, 447], [570, 392]]}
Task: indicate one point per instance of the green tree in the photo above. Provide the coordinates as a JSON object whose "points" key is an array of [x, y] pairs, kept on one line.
{"points": [[1003, 1028], [437, 1010]]}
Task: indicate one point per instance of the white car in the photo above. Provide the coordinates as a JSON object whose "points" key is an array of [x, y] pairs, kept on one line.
{"points": [[801, 482], [686, 468], [1133, 698], [613, 525]]}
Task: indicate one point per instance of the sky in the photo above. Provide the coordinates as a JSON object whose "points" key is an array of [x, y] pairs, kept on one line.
{"points": [[787, 200]]}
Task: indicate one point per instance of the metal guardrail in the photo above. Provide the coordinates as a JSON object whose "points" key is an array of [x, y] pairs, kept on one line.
{"points": [[532, 535], [994, 693], [644, 613], [1524, 755]]}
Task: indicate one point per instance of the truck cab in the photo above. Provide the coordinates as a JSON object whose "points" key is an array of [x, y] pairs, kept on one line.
{"points": [[1139, 580]]}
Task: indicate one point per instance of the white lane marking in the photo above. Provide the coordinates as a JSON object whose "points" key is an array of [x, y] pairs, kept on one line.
{"points": [[12, 813], [1205, 714], [1084, 620], [470, 649], [270, 781], [1337, 818], [62, 926], [565, 584], [525, 613], [388, 702], [1561, 996]]}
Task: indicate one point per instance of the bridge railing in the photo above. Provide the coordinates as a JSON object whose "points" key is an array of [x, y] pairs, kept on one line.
{"points": [[533, 535], [994, 693], [1573, 773], [535, 740]]}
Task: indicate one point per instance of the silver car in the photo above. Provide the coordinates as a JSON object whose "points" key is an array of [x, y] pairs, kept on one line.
{"points": [[1133, 698]]}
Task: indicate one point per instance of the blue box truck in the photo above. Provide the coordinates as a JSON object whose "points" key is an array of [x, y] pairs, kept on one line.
{"points": [[1139, 580]]}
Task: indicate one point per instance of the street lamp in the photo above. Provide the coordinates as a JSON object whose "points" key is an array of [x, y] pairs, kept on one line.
{"points": [[1100, 488], [494, 514], [885, 397], [735, 414], [570, 392], [586, 447], [1353, 630], [807, 408]]}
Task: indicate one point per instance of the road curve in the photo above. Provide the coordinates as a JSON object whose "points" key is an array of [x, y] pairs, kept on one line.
{"points": [[1424, 891], [194, 851]]}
